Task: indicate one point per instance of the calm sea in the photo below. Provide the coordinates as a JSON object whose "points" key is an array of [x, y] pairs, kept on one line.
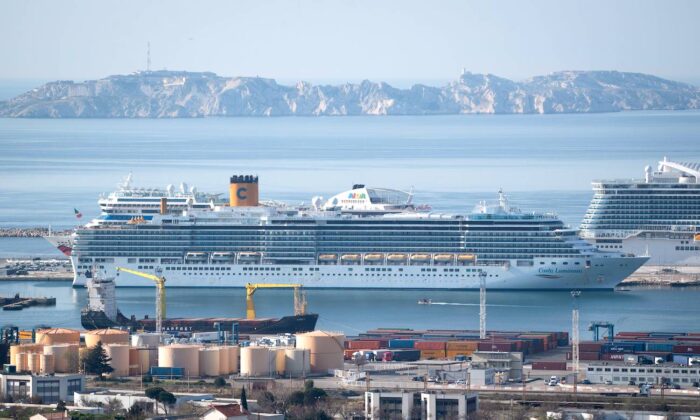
{"points": [[543, 163]]}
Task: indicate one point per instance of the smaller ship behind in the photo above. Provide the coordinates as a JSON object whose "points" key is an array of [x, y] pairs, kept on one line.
{"points": [[102, 312]]}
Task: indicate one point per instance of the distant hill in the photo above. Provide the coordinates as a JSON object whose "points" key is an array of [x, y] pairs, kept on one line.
{"points": [[176, 94]]}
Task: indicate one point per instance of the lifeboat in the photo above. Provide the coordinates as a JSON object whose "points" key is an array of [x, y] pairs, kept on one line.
{"points": [[196, 256], [350, 257], [248, 256], [421, 258], [396, 257], [466, 257], [136, 220], [221, 255], [373, 257], [327, 257], [443, 258]]}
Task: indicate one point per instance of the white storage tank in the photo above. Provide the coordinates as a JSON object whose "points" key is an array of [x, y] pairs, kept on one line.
{"points": [[224, 365], [234, 353], [34, 362], [297, 362], [22, 361], [180, 355], [257, 361], [58, 336], [106, 336], [119, 353], [280, 361], [47, 364], [209, 362], [326, 349], [145, 340], [66, 357]]}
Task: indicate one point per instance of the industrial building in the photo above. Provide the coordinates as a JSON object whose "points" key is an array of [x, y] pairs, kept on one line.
{"points": [[50, 389], [508, 365], [622, 374], [420, 405]]}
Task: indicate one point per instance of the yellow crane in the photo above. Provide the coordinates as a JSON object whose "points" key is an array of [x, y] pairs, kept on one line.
{"points": [[299, 297], [160, 292]]}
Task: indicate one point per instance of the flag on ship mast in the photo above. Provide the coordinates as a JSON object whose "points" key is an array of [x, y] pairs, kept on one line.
{"points": [[78, 214]]}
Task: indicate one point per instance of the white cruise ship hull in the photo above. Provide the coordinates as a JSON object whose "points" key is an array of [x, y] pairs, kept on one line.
{"points": [[665, 251], [544, 274]]}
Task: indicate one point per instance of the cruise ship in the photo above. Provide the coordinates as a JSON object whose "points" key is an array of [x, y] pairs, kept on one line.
{"points": [[658, 215], [131, 204], [361, 238]]}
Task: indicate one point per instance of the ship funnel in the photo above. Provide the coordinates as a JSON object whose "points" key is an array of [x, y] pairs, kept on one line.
{"points": [[243, 191], [163, 205]]}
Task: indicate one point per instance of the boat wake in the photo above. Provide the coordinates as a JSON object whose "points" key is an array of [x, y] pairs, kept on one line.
{"points": [[488, 304]]}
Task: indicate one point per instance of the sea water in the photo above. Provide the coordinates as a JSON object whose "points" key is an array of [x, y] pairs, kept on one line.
{"points": [[542, 162]]}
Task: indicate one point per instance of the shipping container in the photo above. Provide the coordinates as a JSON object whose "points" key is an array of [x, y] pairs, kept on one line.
{"points": [[453, 354], [364, 344], [406, 355], [590, 346], [432, 354], [611, 356], [589, 355], [682, 359], [430, 345], [659, 347], [687, 349], [497, 346], [462, 345], [401, 343], [549, 365]]}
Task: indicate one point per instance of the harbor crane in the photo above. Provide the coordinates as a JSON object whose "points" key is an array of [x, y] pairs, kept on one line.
{"points": [[159, 280], [299, 297], [595, 326]]}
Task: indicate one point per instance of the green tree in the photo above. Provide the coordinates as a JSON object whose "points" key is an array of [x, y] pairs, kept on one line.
{"points": [[314, 395], [167, 399], [220, 382], [153, 393], [296, 398], [136, 412], [96, 361], [244, 399], [61, 406]]}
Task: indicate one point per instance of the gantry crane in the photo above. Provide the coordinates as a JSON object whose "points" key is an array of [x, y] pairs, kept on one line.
{"points": [[160, 292], [299, 297]]}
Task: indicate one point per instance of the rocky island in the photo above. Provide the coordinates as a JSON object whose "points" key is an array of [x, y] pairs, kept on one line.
{"points": [[178, 94]]}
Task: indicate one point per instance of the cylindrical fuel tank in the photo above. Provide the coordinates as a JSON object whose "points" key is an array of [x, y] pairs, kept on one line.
{"points": [[326, 349], [257, 361], [297, 362], [66, 357], [119, 353], [224, 365], [34, 362], [279, 361], [182, 356], [234, 354], [106, 336], [47, 364], [209, 362], [58, 336], [145, 340]]}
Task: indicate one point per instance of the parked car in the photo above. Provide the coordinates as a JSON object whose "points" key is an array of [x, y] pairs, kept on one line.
{"points": [[586, 382], [608, 383]]}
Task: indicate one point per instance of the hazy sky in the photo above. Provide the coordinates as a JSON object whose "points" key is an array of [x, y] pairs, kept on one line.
{"points": [[331, 40]]}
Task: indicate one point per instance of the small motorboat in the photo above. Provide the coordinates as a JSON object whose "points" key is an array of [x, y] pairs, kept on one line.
{"points": [[424, 301]]}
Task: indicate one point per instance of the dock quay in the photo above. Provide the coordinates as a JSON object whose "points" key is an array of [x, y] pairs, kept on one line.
{"points": [[655, 276], [35, 269], [17, 303]]}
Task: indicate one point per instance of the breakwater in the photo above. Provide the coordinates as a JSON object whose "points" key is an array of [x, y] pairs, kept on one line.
{"points": [[35, 232]]}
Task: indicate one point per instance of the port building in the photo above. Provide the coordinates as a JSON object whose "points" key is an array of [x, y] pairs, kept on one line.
{"points": [[50, 389], [420, 405]]}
